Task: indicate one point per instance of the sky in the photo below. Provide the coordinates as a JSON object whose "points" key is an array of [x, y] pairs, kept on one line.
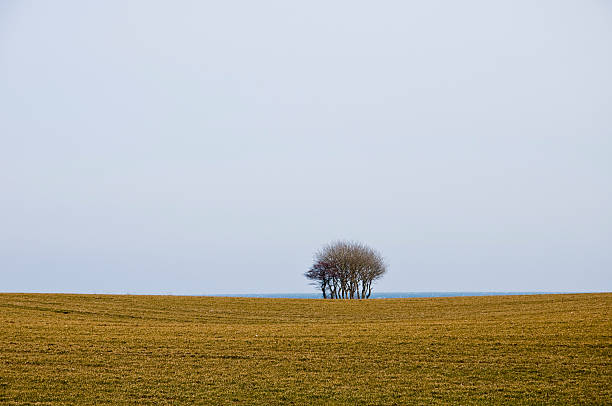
{"points": [[212, 147]]}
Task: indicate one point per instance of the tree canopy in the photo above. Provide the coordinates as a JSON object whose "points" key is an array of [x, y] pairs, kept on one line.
{"points": [[346, 270]]}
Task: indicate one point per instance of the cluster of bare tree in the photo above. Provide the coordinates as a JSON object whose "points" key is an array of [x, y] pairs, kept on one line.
{"points": [[346, 270]]}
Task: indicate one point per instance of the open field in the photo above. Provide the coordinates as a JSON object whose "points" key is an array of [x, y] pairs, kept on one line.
{"points": [[93, 349]]}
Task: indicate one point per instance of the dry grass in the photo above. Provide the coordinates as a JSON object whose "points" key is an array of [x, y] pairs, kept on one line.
{"points": [[86, 349]]}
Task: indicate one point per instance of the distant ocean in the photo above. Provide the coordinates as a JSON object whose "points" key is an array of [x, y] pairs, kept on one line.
{"points": [[387, 295]]}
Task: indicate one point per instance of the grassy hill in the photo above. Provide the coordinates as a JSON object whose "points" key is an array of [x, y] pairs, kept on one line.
{"points": [[93, 349]]}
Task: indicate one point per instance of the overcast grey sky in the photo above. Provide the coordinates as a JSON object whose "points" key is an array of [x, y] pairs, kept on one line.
{"points": [[212, 147]]}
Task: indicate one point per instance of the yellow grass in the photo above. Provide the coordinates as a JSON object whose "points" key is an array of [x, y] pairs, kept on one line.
{"points": [[95, 349]]}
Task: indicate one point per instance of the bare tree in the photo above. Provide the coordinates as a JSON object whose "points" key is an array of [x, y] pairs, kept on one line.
{"points": [[346, 270], [320, 275]]}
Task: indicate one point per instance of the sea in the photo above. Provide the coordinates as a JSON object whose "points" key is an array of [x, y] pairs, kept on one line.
{"points": [[385, 295]]}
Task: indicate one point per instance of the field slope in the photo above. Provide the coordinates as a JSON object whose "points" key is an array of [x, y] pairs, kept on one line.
{"points": [[95, 349]]}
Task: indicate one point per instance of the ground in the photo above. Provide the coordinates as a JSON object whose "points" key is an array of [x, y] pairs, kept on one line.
{"points": [[120, 349]]}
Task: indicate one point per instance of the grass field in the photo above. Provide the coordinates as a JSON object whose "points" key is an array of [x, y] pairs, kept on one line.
{"points": [[93, 349]]}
